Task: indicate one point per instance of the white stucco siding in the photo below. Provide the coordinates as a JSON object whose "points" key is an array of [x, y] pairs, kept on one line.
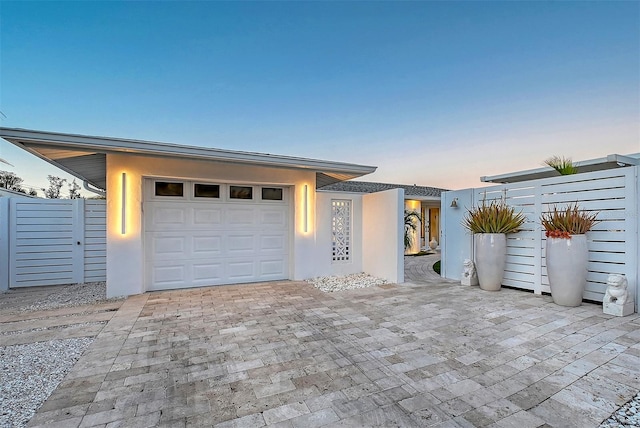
{"points": [[324, 265], [383, 229], [125, 251]]}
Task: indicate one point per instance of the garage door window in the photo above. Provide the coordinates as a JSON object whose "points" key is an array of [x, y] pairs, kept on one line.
{"points": [[211, 191], [165, 188], [240, 192], [271, 194]]}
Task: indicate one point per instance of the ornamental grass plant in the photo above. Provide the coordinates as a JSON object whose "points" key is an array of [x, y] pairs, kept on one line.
{"points": [[494, 217], [563, 165], [562, 223]]}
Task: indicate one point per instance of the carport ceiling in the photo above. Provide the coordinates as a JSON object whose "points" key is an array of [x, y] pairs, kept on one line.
{"points": [[85, 156]]}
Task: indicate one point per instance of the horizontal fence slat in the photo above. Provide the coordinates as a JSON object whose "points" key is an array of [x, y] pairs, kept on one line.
{"points": [[41, 262], [521, 251], [45, 242], [44, 234], [44, 249], [42, 282], [35, 277], [599, 205], [52, 269], [46, 214], [45, 221]]}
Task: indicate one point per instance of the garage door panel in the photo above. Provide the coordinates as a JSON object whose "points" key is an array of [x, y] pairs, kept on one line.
{"points": [[166, 247], [208, 272], [207, 246], [207, 217], [241, 244], [164, 217], [240, 216], [272, 243], [241, 270], [272, 268], [169, 275], [273, 218]]}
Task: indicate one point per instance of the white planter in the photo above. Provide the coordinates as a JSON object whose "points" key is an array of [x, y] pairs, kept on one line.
{"points": [[567, 269], [491, 259], [433, 244]]}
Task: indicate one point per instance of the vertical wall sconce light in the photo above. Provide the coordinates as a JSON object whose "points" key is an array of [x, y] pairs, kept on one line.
{"points": [[454, 203], [306, 208], [124, 204]]}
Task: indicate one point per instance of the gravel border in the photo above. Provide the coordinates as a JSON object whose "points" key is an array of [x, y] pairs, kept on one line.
{"points": [[627, 416], [330, 284], [66, 296], [30, 373]]}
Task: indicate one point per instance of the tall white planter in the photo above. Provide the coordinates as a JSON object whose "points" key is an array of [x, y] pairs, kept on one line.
{"points": [[567, 269], [491, 259]]}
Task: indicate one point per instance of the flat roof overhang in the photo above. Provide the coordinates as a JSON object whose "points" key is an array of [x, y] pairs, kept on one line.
{"points": [[84, 156], [609, 162]]}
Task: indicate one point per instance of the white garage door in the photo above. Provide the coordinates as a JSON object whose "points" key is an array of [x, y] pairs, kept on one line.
{"points": [[200, 234]]}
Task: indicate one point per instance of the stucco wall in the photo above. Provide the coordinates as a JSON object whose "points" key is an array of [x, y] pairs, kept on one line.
{"points": [[383, 228], [323, 263], [125, 252]]}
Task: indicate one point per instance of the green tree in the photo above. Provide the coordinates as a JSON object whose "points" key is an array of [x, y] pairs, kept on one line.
{"points": [[55, 184], [10, 181], [74, 190]]}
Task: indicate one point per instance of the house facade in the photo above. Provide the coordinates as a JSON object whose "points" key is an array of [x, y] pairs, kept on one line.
{"points": [[182, 216], [422, 200]]}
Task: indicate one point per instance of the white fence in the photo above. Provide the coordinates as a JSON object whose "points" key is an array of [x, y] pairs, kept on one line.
{"points": [[613, 243], [51, 242]]}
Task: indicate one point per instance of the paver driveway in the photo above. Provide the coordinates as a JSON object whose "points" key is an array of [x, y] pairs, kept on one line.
{"points": [[285, 354]]}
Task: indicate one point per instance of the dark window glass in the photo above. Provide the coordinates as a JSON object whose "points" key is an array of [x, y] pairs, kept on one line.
{"points": [[240, 192], [271, 194], [206, 191], [164, 188]]}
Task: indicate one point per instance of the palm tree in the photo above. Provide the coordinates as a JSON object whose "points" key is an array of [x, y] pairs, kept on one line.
{"points": [[411, 218]]}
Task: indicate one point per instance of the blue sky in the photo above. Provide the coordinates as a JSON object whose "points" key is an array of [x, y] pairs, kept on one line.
{"points": [[433, 93]]}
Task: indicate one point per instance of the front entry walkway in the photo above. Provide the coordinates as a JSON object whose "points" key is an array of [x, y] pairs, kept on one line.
{"points": [[419, 269], [285, 354]]}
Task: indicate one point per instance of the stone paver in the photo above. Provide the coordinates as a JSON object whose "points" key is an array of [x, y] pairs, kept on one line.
{"points": [[424, 353]]}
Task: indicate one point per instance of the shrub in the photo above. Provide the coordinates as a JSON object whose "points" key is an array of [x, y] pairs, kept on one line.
{"points": [[563, 165], [562, 223], [496, 217]]}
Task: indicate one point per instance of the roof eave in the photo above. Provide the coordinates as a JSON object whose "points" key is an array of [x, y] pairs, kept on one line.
{"points": [[112, 145], [608, 162], [28, 139]]}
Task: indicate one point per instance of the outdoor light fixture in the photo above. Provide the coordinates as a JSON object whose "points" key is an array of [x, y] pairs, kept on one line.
{"points": [[454, 203], [124, 204], [306, 209]]}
